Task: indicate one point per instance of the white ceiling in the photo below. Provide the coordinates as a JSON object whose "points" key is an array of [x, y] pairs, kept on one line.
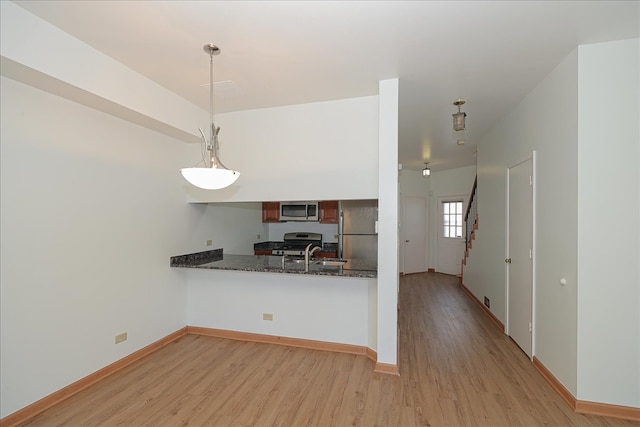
{"points": [[490, 53]]}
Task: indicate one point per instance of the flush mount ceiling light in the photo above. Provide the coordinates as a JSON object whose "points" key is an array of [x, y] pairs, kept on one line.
{"points": [[213, 175], [458, 118], [426, 171]]}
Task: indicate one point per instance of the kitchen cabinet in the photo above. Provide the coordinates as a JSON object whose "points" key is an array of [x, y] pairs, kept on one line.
{"points": [[329, 212], [270, 211], [320, 254], [262, 252]]}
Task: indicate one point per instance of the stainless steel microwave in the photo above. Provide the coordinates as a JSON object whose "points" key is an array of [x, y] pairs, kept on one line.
{"points": [[298, 211]]}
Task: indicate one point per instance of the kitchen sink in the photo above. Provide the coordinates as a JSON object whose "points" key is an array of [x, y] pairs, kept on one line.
{"points": [[334, 262], [338, 262], [294, 260]]}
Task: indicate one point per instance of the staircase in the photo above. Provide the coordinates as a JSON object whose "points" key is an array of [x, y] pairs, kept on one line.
{"points": [[471, 221]]}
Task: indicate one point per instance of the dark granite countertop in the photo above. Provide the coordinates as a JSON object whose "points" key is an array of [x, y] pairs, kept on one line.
{"points": [[216, 260]]}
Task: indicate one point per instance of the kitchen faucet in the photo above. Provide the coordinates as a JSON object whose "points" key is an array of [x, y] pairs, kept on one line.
{"points": [[308, 252]]}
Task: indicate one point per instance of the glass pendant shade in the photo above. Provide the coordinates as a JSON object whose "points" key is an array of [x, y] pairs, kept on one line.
{"points": [[458, 121], [217, 175], [210, 178], [458, 118]]}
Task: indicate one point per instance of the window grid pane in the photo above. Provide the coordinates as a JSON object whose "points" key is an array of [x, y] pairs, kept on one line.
{"points": [[452, 219]]}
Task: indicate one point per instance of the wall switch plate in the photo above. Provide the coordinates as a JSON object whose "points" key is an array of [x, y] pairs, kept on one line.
{"points": [[121, 337], [487, 302], [258, 236], [209, 242], [267, 316]]}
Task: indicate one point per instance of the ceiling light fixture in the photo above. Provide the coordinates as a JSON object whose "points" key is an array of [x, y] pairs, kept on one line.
{"points": [[426, 171], [215, 175], [458, 118]]}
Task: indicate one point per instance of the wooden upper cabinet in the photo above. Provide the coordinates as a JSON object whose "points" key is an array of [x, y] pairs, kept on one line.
{"points": [[329, 213], [270, 211]]}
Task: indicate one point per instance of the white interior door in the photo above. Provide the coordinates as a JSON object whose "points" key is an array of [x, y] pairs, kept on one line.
{"points": [[519, 260], [451, 243], [414, 234]]}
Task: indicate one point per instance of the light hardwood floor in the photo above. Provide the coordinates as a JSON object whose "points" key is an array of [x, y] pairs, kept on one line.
{"points": [[456, 369]]}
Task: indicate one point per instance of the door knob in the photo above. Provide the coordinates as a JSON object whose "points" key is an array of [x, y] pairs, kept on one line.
{"points": [[507, 260]]}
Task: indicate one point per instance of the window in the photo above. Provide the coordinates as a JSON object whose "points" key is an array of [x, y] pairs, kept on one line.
{"points": [[452, 219]]}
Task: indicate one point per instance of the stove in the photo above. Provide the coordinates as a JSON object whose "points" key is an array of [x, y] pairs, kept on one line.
{"points": [[295, 243]]}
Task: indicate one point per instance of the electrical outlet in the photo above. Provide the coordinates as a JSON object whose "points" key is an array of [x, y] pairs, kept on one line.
{"points": [[487, 302], [121, 337], [336, 236], [209, 242], [267, 316], [258, 236]]}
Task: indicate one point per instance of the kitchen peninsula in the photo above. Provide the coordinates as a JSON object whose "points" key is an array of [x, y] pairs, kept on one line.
{"points": [[216, 260], [328, 303], [256, 296]]}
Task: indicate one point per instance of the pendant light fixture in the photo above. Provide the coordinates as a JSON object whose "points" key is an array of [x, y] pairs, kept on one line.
{"points": [[215, 175], [426, 171], [458, 118]]}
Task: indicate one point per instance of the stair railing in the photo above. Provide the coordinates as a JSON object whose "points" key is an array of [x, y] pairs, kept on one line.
{"points": [[471, 215]]}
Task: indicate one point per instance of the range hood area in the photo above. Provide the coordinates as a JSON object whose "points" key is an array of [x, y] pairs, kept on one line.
{"points": [[299, 211]]}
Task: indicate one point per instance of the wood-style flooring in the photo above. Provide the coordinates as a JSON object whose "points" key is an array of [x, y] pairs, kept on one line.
{"points": [[456, 369]]}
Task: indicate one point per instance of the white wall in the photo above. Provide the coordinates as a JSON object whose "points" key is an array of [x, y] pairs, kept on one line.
{"points": [[447, 183], [452, 182], [92, 209], [234, 227], [317, 151], [41, 55], [322, 308], [545, 121], [608, 223], [583, 117], [412, 183]]}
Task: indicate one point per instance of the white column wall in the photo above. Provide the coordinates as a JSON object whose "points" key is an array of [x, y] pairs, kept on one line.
{"points": [[609, 223], [388, 267]]}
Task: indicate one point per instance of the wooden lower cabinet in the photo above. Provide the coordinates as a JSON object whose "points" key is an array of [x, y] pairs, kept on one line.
{"points": [[325, 255]]}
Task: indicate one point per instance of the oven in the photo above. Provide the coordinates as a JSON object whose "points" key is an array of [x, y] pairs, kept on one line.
{"points": [[296, 243]]}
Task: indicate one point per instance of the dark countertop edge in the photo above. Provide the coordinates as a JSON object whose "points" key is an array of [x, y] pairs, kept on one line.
{"points": [[347, 274], [196, 258]]}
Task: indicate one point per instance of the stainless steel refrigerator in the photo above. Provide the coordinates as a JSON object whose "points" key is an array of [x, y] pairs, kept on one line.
{"points": [[357, 232]]}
